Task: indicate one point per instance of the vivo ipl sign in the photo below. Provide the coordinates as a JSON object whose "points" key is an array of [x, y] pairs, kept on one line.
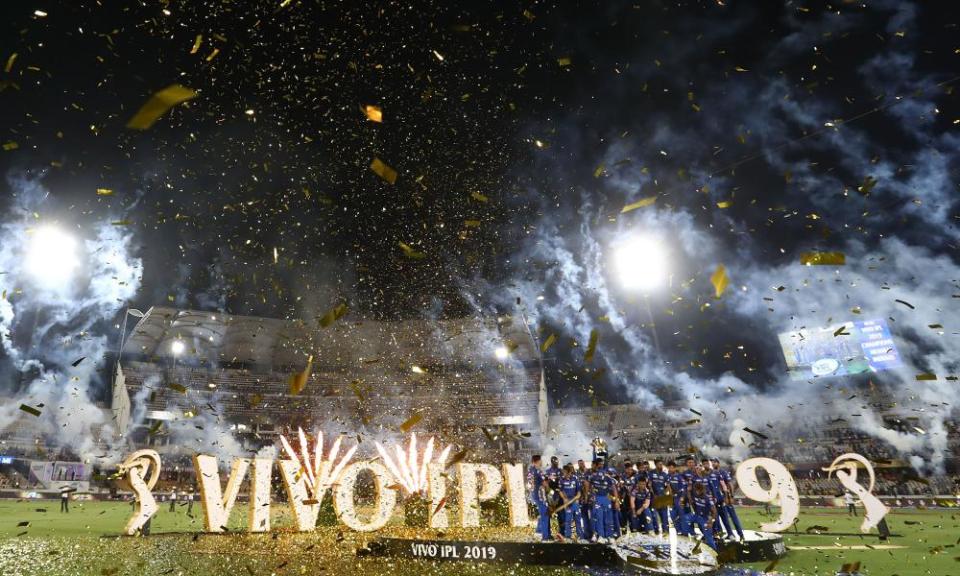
{"points": [[308, 480]]}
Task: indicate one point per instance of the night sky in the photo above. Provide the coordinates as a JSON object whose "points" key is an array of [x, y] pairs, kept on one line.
{"points": [[519, 132]]}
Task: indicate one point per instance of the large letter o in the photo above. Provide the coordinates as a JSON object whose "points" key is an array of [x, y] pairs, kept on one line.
{"points": [[343, 497]]}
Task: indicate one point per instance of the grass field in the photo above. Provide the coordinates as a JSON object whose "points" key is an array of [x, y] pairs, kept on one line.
{"points": [[54, 544]]}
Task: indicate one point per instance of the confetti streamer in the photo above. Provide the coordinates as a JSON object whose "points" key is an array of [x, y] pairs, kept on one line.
{"points": [[823, 259], [719, 280], [373, 113], [639, 204], [299, 381], [159, 104], [383, 171]]}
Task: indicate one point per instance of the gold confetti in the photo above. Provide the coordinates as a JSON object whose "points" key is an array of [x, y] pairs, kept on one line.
{"points": [[333, 315], [548, 342], [409, 252], [120, 223], [639, 204], [30, 410], [213, 54], [723, 204], [177, 387], [823, 259], [599, 171], [591, 347], [479, 197], [10, 61], [8, 146], [104, 192], [411, 422], [374, 113], [158, 105], [383, 171], [719, 280], [471, 223], [299, 381], [196, 44], [564, 61]]}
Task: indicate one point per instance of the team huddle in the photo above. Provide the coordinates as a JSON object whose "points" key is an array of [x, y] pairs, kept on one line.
{"points": [[601, 503]]}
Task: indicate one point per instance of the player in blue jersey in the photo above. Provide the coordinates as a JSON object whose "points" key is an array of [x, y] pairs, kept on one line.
{"points": [[586, 509], [657, 481], [538, 489], [625, 487], [716, 489], [641, 511], [603, 488], [553, 474], [704, 512], [678, 488], [726, 508], [616, 501], [571, 492]]}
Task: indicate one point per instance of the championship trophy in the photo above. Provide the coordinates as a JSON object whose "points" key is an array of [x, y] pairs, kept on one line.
{"points": [[599, 449]]}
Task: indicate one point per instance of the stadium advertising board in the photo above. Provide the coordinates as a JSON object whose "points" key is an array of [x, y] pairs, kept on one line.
{"points": [[308, 481]]}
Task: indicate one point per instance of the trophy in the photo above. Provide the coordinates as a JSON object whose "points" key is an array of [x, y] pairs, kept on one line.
{"points": [[599, 448]]}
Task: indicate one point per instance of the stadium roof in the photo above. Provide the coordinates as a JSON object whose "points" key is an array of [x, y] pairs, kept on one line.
{"points": [[268, 342]]}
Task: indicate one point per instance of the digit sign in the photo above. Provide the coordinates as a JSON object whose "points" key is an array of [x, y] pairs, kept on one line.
{"points": [[783, 490]]}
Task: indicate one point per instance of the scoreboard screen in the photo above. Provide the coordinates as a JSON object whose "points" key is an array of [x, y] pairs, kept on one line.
{"points": [[851, 347]]}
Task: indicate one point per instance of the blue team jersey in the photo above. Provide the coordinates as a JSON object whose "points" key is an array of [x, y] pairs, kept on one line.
{"points": [[658, 481], [713, 483], [627, 483], [641, 496], [535, 483], [703, 505], [569, 486], [697, 479], [678, 486], [601, 484], [553, 475], [727, 477]]}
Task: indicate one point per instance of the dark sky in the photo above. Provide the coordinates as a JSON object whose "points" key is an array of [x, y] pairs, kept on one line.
{"points": [[519, 131]]}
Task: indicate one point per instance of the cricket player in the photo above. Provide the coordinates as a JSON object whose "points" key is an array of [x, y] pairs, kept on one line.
{"points": [[538, 488], [571, 491]]}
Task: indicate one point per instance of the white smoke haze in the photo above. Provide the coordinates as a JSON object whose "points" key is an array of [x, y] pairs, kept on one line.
{"points": [[561, 272], [48, 328]]}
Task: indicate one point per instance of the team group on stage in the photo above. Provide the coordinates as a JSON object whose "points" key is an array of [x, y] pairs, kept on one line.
{"points": [[601, 503]]}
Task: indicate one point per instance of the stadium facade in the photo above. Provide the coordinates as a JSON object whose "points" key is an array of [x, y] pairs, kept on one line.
{"points": [[477, 382]]}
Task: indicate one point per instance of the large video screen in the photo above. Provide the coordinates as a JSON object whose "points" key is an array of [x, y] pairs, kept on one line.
{"points": [[838, 350]]}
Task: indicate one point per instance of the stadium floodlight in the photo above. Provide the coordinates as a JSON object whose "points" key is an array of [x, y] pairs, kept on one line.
{"points": [[51, 257], [501, 353], [640, 262], [177, 347]]}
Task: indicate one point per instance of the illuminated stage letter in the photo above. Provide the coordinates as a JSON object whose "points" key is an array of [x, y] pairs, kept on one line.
{"points": [[517, 496], [471, 496], [216, 505], [386, 497], [846, 468], [306, 508], [259, 512], [782, 490], [135, 470], [437, 484]]}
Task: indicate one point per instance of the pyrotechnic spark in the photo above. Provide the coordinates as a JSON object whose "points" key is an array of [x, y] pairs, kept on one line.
{"points": [[410, 472], [319, 474]]}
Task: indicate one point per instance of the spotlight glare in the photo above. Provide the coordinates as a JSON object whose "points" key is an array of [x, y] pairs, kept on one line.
{"points": [[640, 263], [177, 347], [51, 257], [501, 353]]}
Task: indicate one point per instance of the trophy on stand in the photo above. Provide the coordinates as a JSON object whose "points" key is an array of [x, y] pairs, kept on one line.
{"points": [[599, 449]]}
